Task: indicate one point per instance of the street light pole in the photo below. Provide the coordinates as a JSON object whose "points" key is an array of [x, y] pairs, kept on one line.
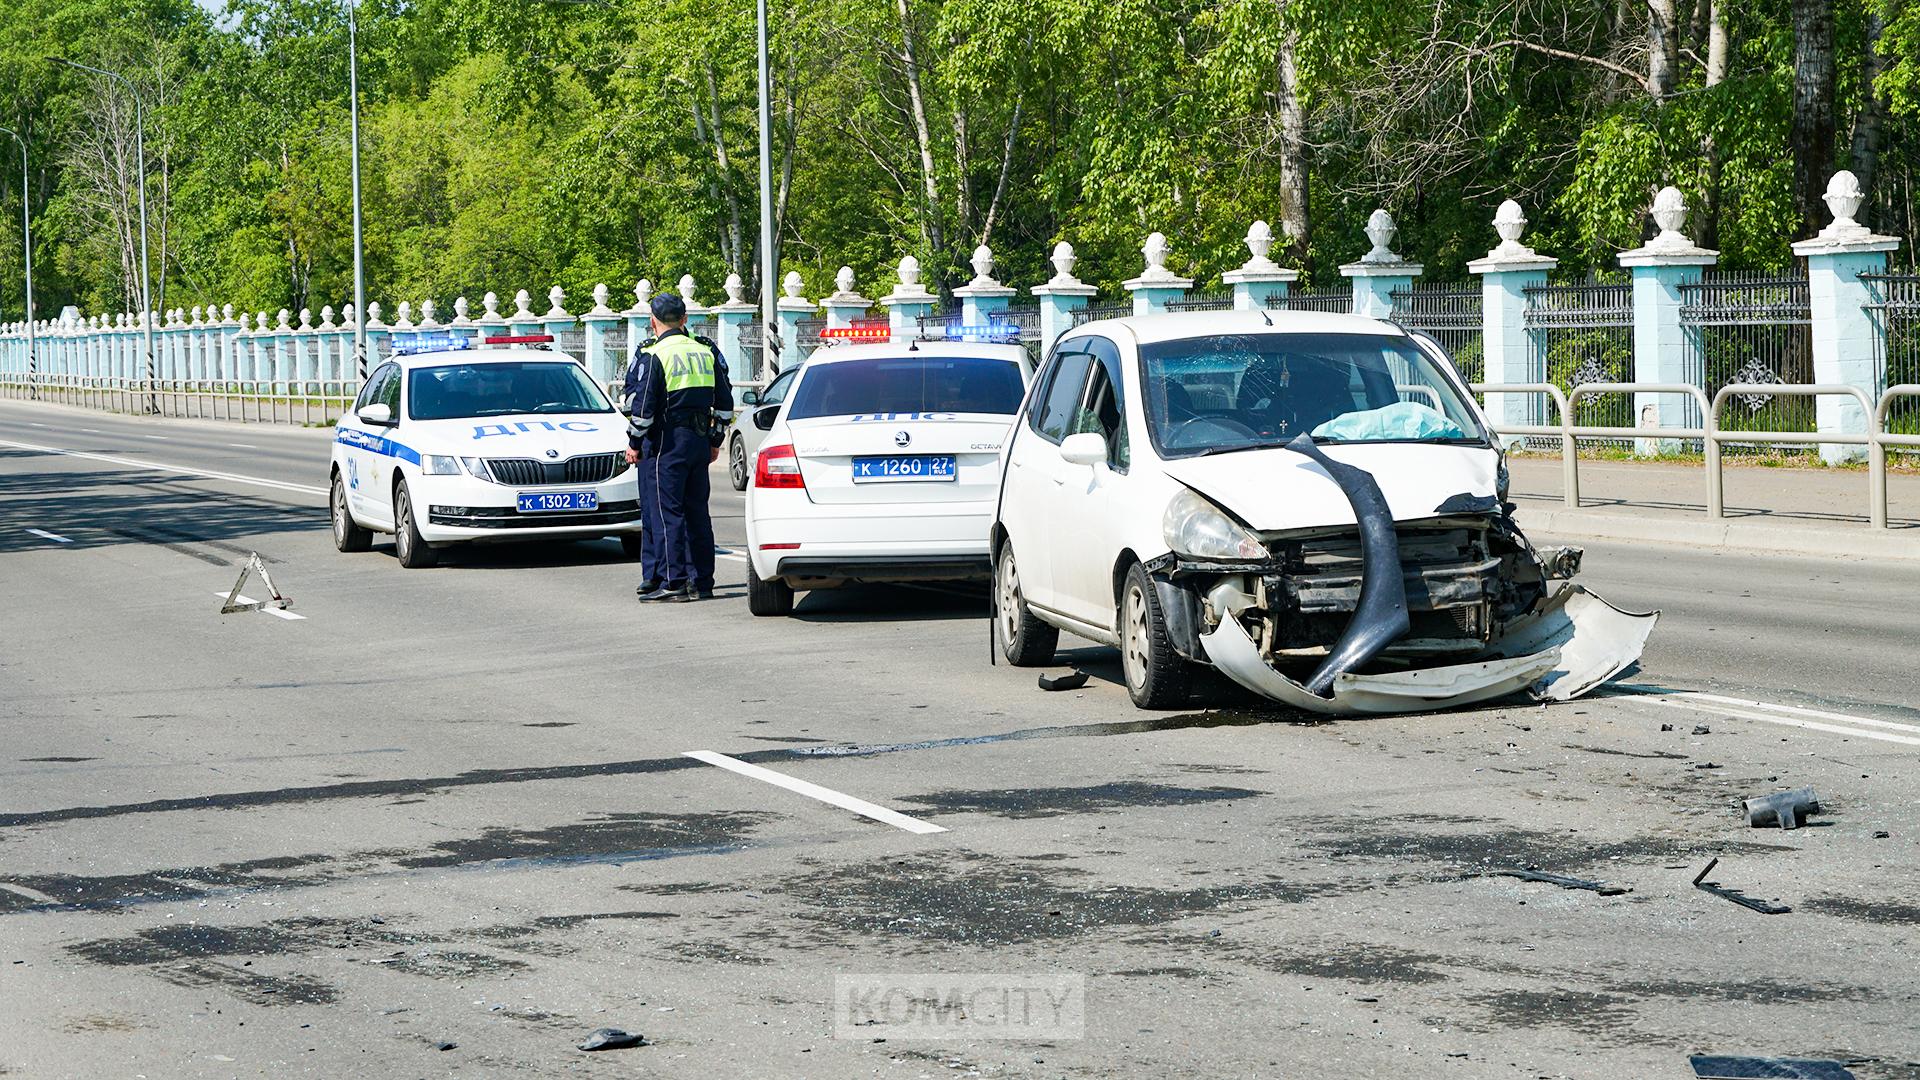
{"points": [[146, 274], [359, 259], [769, 262], [26, 251]]}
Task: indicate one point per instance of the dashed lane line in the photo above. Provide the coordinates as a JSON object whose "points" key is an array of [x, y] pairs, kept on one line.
{"points": [[55, 537], [205, 474], [278, 613], [815, 791]]}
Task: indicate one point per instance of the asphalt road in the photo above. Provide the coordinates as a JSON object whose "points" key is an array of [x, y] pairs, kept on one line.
{"points": [[445, 825]]}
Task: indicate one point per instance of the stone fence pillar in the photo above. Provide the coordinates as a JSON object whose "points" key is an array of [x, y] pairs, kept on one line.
{"points": [[1156, 286], [791, 308], [1379, 272], [729, 320], [1505, 274], [1660, 268], [983, 298], [1259, 280], [908, 301], [1061, 298], [844, 304], [1843, 331]]}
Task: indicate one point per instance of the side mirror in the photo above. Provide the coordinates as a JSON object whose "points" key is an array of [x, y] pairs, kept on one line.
{"points": [[378, 412], [764, 418], [749, 397], [1085, 448]]}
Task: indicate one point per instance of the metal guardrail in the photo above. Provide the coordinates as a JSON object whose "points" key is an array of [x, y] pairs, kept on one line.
{"points": [[1876, 438], [247, 401]]}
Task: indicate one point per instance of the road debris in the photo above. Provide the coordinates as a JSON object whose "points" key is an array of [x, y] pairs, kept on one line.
{"points": [[1764, 907], [1530, 874], [1073, 680], [611, 1038], [1702, 729], [446, 1046], [1717, 1067], [1787, 809]]}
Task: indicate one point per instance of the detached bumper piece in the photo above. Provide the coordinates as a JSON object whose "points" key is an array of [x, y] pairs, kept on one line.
{"points": [[506, 517]]}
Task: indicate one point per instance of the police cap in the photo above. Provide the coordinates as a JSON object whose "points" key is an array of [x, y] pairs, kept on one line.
{"points": [[669, 308]]}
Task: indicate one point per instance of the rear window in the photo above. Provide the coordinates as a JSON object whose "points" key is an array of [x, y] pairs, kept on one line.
{"points": [[908, 384]]}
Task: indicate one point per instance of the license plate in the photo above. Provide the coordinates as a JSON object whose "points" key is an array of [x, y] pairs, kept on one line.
{"points": [[880, 470], [553, 501]]}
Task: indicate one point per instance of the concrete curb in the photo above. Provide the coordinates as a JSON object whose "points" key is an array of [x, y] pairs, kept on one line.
{"points": [[1769, 537]]}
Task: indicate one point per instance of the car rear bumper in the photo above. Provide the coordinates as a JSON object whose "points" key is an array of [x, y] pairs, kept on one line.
{"points": [[878, 542], [900, 567]]}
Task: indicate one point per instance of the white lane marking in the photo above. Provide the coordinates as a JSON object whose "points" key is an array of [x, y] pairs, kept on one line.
{"points": [[815, 791], [32, 424], [34, 895], [273, 611], [243, 445], [730, 555], [1796, 710], [206, 474], [1811, 725], [91, 431], [162, 438], [55, 537]]}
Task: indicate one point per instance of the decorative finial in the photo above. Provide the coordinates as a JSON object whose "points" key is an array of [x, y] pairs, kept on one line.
{"points": [[490, 304], [460, 311], [1670, 213], [642, 294], [1843, 199], [792, 284], [982, 263], [1063, 259], [326, 317], [736, 289], [600, 300], [523, 306], [1380, 230], [686, 289], [306, 318], [909, 273], [405, 321], [556, 296], [1155, 250], [1259, 242], [285, 319], [426, 313], [373, 315], [226, 312], [843, 281]]}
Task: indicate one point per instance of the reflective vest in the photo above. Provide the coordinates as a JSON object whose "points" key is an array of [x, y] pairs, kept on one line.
{"points": [[687, 364]]}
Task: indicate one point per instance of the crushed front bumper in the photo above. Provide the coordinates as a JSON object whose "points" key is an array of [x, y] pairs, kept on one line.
{"points": [[1572, 643]]}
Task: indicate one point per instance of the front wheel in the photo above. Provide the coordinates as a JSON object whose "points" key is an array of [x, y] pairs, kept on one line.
{"points": [[1024, 640], [413, 552], [1157, 677], [347, 533], [737, 462]]}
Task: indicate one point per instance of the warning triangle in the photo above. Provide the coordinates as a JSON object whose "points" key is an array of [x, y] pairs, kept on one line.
{"points": [[254, 565]]}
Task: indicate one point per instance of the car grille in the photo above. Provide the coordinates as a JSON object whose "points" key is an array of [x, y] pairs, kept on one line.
{"points": [[526, 472]]}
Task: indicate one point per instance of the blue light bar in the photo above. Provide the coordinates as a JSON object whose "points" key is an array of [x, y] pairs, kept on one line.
{"points": [[998, 331], [424, 342]]}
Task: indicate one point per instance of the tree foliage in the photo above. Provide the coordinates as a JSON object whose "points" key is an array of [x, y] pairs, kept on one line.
{"points": [[515, 143]]}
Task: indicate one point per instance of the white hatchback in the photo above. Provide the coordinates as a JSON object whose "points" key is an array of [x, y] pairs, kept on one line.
{"points": [[480, 445], [881, 464], [1312, 504]]}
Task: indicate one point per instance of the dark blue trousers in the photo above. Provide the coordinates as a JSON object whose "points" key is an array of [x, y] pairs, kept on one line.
{"points": [[681, 490], [652, 554]]}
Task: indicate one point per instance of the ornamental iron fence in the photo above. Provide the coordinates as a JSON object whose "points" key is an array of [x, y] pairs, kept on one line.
{"points": [[1756, 330], [1452, 314], [1582, 332]]}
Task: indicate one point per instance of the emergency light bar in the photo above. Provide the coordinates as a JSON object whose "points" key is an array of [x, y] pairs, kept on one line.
{"points": [[416, 344], [858, 332], [998, 331], [521, 339]]}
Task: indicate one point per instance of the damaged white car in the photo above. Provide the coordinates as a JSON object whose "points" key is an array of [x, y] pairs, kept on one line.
{"points": [[1311, 503]]}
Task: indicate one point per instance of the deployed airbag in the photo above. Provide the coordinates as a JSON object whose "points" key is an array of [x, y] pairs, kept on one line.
{"points": [[1401, 420]]}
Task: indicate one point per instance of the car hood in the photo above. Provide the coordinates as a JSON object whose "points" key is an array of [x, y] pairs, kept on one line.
{"points": [[528, 436], [1276, 490]]}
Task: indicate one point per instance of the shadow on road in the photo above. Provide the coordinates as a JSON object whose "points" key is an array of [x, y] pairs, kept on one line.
{"points": [[104, 508], [931, 602]]}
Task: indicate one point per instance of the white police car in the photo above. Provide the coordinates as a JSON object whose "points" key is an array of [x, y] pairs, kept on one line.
{"points": [[881, 463], [447, 443]]}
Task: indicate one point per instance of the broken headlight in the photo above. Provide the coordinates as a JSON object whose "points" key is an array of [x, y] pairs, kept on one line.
{"points": [[1198, 529]]}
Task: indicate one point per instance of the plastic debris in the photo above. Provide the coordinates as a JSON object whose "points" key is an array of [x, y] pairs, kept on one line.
{"points": [[1717, 1067], [1762, 906], [609, 1038], [1073, 680]]}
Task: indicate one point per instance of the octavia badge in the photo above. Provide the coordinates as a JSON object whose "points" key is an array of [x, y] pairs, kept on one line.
{"points": [[901, 438]]}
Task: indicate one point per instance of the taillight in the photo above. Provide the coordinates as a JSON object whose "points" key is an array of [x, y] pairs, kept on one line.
{"points": [[777, 467]]}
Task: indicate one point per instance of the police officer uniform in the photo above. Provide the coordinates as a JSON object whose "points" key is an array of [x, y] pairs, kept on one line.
{"points": [[682, 403]]}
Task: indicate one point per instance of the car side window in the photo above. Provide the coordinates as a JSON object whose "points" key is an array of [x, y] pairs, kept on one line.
{"points": [[369, 393], [1103, 410], [389, 393], [1053, 417], [777, 389]]}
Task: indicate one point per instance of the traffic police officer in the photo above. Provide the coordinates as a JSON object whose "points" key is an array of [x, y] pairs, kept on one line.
{"points": [[682, 404]]}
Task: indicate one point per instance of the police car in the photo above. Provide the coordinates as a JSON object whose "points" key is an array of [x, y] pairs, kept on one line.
{"points": [[881, 463], [447, 443]]}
